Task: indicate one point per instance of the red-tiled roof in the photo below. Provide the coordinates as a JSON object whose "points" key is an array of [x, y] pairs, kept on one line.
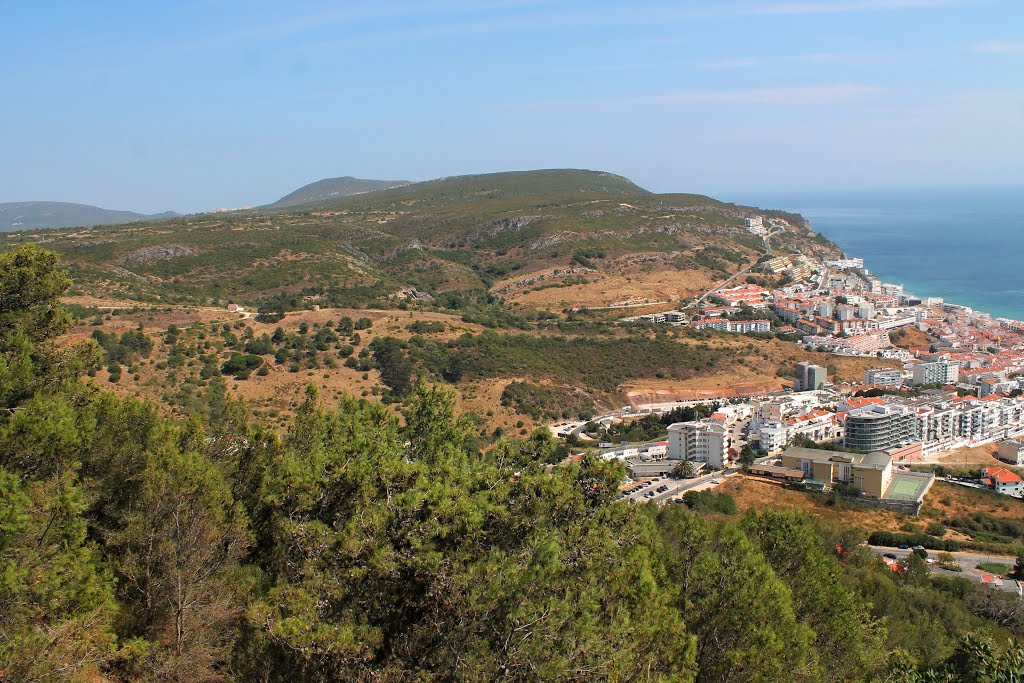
{"points": [[861, 401], [1001, 475]]}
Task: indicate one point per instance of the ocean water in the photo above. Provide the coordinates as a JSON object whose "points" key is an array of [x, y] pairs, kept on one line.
{"points": [[966, 246]]}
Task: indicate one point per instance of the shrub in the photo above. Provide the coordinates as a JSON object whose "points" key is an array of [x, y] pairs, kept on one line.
{"points": [[427, 327], [888, 538], [709, 502], [240, 363]]}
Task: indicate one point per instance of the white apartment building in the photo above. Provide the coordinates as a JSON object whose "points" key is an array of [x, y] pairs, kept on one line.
{"points": [[736, 326], [891, 322], [846, 263], [704, 441], [756, 225], [937, 372], [817, 425], [945, 423], [884, 377]]}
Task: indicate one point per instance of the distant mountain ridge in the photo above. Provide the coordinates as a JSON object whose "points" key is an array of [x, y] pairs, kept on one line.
{"points": [[35, 215], [330, 189], [549, 239]]}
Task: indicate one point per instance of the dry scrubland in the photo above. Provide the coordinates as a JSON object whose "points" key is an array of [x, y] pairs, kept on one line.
{"points": [[740, 366], [944, 504]]}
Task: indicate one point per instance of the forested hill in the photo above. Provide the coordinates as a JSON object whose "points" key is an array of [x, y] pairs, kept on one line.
{"points": [[34, 215], [542, 240], [352, 546]]}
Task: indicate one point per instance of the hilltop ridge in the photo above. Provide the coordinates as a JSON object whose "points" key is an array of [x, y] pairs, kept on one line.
{"points": [[42, 214], [332, 188], [540, 240]]}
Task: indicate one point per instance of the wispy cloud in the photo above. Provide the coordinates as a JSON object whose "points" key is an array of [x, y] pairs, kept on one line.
{"points": [[810, 94], [998, 47]]}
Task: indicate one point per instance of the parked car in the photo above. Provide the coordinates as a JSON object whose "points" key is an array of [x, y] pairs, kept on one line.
{"points": [[890, 556], [903, 546]]}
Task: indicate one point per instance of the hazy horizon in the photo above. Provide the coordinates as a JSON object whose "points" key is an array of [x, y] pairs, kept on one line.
{"points": [[197, 105]]}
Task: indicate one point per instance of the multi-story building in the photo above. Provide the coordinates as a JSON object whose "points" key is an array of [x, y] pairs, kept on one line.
{"points": [[846, 264], [846, 312], [817, 425], [865, 311], [704, 441], [746, 326], [800, 272], [756, 225], [879, 427], [945, 422], [884, 377], [737, 326], [937, 372], [891, 322], [810, 377], [675, 317], [778, 264], [1011, 451]]}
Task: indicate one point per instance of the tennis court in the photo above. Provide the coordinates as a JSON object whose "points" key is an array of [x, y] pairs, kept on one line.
{"points": [[905, 487]]}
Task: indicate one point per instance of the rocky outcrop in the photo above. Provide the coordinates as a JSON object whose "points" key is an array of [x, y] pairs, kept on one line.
{"points": [[163, 252], [541, 277], [490, 230], [414, 294]]}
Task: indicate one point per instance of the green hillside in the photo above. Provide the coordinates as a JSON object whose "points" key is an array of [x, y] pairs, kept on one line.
{"points": [[330, 189], [35, 215], [467, 237], [498, 186]]}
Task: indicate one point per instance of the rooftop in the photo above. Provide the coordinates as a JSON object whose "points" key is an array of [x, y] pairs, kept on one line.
{"points": [[876, 460], [1001, 475]]}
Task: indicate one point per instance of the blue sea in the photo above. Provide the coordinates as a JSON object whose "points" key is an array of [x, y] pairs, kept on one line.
{"points": [[966, 246]]}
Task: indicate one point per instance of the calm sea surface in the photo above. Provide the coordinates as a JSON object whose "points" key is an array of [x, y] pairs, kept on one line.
{"points": [[964, 245]]}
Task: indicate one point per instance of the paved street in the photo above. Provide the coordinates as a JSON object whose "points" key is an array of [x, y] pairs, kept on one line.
{"points": [[968, 561], [677, 487]]}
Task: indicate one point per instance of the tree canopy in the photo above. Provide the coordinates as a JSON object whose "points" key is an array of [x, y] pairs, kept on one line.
{"points": [[366, 545]]}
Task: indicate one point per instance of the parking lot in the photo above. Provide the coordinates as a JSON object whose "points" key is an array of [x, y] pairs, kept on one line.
{"points": [[663, 489]]}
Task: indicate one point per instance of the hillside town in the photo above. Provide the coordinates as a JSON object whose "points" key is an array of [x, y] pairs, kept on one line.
{"points": [[962, 389]]}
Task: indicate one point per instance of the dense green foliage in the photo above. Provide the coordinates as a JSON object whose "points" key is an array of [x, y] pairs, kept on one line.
{"points": [[354, 546], [547, 402], [889, 538], [584, 371], [710, 502]]}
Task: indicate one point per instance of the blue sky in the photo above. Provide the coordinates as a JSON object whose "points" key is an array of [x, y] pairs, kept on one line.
{"points": [[192, 105]]}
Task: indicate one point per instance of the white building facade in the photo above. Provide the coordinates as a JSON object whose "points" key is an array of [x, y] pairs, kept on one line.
{"points": [[705, 441]]}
